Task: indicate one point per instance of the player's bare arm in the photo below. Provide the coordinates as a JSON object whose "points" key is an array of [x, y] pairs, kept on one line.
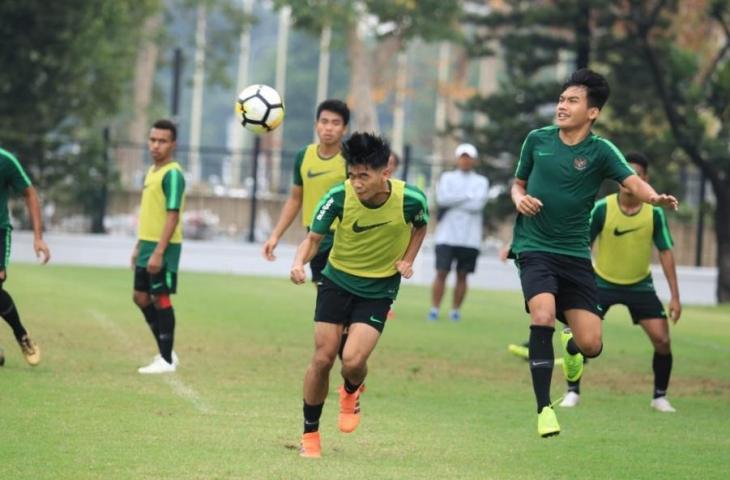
{"points": [[405, 265], [34, 209], [647, 194], [666, 258], [288, 213], [154, 265], [305, 252], [526, 204], [135, 255]]}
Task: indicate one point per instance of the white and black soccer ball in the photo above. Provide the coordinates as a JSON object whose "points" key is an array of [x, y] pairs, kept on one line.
{"points": [[260, 108]]}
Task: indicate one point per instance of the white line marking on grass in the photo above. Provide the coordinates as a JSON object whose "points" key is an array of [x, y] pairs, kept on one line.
{"points": [[181, 389]]}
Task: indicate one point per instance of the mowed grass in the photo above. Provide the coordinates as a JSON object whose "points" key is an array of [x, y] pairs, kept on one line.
{"points": [[444, 400]]}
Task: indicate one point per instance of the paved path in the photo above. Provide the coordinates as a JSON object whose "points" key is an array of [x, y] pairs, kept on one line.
{"points": [[697, 285]]}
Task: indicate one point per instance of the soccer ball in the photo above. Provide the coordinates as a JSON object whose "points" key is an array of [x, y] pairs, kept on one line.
{"points": [[260, 109]]}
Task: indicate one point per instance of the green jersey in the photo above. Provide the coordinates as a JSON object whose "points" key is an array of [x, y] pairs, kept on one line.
{"points": [[369, 240], [12, 177], [566, 179]]}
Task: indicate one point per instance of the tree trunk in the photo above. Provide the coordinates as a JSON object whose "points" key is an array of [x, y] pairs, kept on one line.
{"points": [[360, 99], [722, 233]]}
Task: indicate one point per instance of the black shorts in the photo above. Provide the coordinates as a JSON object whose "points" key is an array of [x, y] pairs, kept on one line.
{"points": [[570, 279], [337, 305], [318, 263], [155, 283], [466, 258], [641, 305]]}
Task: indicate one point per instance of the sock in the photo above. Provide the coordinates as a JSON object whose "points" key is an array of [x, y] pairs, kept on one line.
{"points": [[662, 370], [574, 387], [542, 359], [311, 417], [10, 314], [150, 316], [350, 388], [166, 337], [571, 347]]}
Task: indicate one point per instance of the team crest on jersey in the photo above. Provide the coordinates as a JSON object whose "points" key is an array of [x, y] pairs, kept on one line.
{"points": [[580, 163]]}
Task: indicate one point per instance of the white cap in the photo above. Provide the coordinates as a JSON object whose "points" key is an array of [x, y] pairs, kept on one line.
{"points": [[466, 149]]}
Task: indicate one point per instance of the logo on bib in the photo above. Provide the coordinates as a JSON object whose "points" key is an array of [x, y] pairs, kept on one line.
{"points": [[580, 163], [362, 228]]}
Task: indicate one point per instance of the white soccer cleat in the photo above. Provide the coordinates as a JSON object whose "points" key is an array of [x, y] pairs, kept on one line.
{"points": [[175, 359], [570, 400], [158, 365], [661, 404]]}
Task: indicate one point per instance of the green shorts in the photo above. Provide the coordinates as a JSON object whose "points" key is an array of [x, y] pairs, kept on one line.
{"points": [[155, 283]]}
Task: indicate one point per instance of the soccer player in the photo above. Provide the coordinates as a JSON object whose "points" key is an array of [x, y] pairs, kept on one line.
{"points": [[624, 229], [318, 167], [382, 223], [560, 170], [461, 195], [13, 178], [156, 255]]}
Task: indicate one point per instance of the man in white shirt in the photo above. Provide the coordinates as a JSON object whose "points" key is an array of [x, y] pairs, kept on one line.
{"points": [[461, 195]]}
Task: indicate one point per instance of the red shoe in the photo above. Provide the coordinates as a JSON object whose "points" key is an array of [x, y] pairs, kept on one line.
{"points": [[349, 417], [310, 447]]}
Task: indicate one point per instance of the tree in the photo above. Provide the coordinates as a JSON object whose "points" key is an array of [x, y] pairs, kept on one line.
{"points": [[64, 73]]}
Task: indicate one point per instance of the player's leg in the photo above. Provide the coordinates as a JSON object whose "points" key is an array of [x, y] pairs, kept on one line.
{"points": [[9, 313], [444, 259], [539, 287], [647, 310], [466, 261], [368, 320], [142, 298], [162, 285]]}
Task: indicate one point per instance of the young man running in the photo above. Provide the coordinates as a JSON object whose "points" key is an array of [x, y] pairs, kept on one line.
{"points": [[560, 170], [156, 255], [625, 230], [13, 178], [382, 223]]}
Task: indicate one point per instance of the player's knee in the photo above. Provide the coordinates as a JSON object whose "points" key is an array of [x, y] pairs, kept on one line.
{"points": [[662, 345], [323, 360], [141, 299], [592, 348], [352, 360], [544, 318]]}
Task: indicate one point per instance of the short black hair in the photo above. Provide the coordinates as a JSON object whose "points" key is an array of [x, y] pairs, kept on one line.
{"points": [[596, 85], [366, 149], [337, 106], [639, 159], [165, 124]]}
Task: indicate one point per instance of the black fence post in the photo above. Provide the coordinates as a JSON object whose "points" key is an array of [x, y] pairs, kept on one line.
{"points": [[97, 219], [254, 187], [700, 222], [406, 161], [176, 74]]}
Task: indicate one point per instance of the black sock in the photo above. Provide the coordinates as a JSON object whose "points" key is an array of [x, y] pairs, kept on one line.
{"points": [[311, 417], [343, 339], [542, 359], [10, 314], [662, 370], [571, 347], [166, 337], [351, 388], [150, 316], [574, 387]]}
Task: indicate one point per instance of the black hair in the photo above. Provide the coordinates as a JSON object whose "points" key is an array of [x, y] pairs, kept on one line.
{"points": [[639, 159], [597, 89], [337, 106], [366, 149], [165, 124]]}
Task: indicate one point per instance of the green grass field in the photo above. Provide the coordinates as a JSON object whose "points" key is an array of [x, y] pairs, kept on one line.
{"points": [[444, 400]]}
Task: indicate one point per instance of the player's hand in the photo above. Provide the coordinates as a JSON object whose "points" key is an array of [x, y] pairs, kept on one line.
{"points": [[133, 260], [504, 253], [154, 265], [664, 200], [529, 205], [269, 246], [297, 274], [675, 310], [404, 268], [41, 251]]}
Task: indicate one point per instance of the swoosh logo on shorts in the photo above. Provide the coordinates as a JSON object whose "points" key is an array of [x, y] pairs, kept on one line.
{"points": [[363, 228], [375, 320], [618, 232], [311, 174], [156, 285]]}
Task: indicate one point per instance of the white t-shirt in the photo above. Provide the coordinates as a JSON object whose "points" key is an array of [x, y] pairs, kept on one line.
{"points": [[462, 195]]}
